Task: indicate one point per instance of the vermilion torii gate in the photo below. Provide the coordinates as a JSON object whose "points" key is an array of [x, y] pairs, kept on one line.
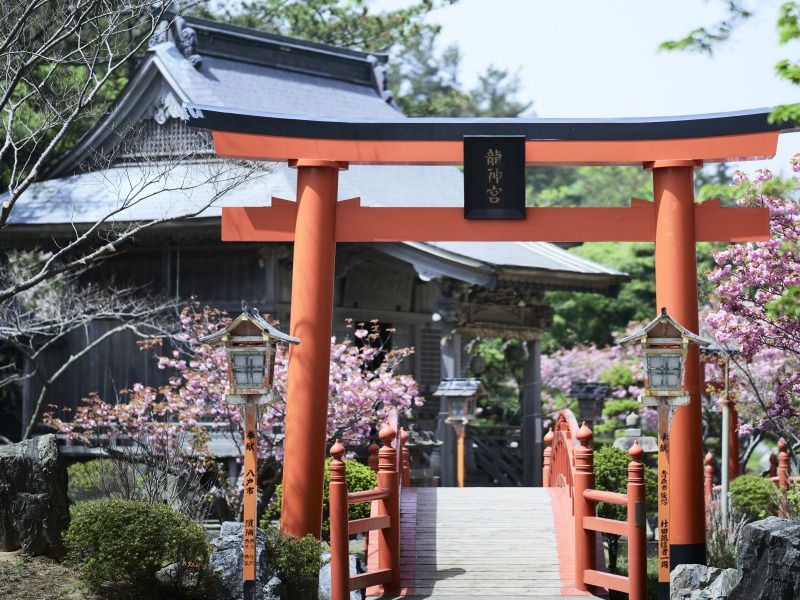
{"points": [[319, 148]]}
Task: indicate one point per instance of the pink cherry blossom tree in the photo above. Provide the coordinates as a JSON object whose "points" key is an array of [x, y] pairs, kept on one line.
{"points": [[179, 415], [751, 280], [619, 367]]}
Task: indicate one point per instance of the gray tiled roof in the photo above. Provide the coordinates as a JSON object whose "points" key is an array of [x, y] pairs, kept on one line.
{"points": [[88, 196], [530, 255]]}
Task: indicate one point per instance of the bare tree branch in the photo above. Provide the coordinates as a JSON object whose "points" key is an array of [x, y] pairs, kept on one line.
{"points": [[58, 56]]}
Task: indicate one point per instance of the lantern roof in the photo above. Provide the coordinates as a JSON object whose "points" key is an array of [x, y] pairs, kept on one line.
{"points": [[664, 327], [249, 324], [466, 387]]}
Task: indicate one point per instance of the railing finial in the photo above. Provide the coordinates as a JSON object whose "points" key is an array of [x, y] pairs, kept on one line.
{"points": [[548, 437], [338, 470], [337, 451], [636, 452], [387, 434], [585, 435], [372, 461]]}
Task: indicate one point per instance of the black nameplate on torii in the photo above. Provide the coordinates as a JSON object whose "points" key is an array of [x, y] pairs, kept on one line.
{"points": [[494, 177]]}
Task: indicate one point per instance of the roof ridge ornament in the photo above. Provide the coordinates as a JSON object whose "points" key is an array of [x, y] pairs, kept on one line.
{"points": [[182, 35], [380, 79], [187, 42]]}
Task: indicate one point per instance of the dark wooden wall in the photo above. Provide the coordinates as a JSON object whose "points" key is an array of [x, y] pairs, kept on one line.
{"points": [[369, 285]]}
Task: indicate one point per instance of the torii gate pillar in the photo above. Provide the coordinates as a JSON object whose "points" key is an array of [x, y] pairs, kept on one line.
{"points": [[676, 289], [310, 320]]}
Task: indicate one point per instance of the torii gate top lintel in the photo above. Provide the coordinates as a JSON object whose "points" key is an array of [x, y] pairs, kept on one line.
{"points": [[720, 137]]}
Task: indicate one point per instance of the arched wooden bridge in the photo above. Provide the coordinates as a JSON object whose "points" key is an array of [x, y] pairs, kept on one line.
{"points": [[488, 542]]}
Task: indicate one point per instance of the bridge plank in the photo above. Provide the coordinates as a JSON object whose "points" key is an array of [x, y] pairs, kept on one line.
{"points": [[482, 543]]}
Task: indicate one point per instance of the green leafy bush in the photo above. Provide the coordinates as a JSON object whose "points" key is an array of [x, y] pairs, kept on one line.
{"points": [[295, 560], [359, 478], [789, 500], [86, 480], [125, 543], [101, 479], [611, 475], [614, 413], [722, 538], [752, 496]]}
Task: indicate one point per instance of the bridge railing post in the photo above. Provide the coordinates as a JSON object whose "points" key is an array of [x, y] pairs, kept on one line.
{"points": [[783, 464], [585, 541], [783, 473], [372, 461], [548, 457], [708, 482], [637, 527], [340, 551], [406, 463], [388, 477]]}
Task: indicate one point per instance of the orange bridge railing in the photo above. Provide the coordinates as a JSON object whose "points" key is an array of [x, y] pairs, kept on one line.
{"points": [[780, 467], [383, 550], [569, 464]]}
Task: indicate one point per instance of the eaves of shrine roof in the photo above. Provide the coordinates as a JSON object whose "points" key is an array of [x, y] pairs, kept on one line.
{"points": [[533, 265]]}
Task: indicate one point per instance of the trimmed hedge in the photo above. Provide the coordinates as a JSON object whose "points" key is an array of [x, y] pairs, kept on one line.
{"points": [[752, 496], [125, 543], [359, 478]]}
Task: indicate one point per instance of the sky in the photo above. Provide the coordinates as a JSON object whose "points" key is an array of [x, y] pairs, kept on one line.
{"points": [[582, 59]]}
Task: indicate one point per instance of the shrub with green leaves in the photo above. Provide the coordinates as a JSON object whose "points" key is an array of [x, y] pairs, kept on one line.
{"points": [[752, 496], [614, 413], [84, 480], [611, 475], [98, 479], [125, 543], [295, 560], [359, 478]]}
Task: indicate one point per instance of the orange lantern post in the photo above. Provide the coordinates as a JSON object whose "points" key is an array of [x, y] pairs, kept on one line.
{"points": [[250, 343], [461, 395], [665, 345]]}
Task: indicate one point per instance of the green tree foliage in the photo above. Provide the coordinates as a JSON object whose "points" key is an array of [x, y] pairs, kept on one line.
{"points": [[344, 23], [582, 317], [614, 413], [424, 82], [125, 543], [63, 62], [611, 475], [501, 376], [588, 186], [752, 496], [427, 85], [707, 39]]}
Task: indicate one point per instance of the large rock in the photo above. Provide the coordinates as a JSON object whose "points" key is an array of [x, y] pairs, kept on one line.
{"points": [[325, 578], [226, 565], [769, 561], [698, 582], [34, 507]]}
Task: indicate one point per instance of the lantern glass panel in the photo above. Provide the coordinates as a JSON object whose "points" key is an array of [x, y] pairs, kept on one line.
{"points": [[248, 369], [456, 407], [664, 371], [471, 407]]}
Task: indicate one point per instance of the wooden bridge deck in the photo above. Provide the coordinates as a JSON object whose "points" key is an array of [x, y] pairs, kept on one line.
{"points": [[488, 543]]}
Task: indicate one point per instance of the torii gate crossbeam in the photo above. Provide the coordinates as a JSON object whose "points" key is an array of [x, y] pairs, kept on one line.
{"points": [[670, 147]]}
